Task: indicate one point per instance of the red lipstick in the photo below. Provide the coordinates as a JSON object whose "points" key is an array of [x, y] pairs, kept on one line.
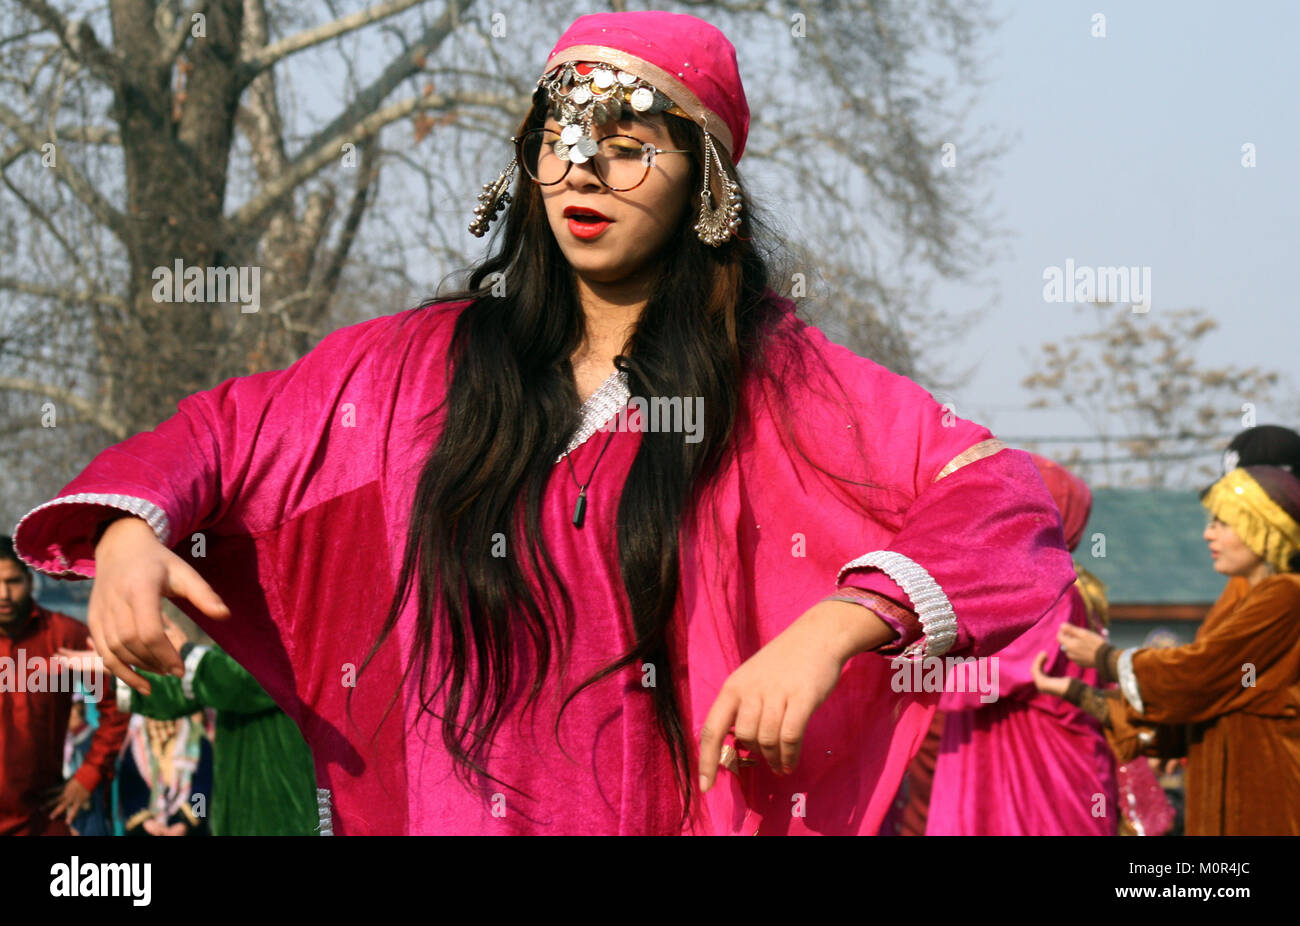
{"points": [[586, 223]]}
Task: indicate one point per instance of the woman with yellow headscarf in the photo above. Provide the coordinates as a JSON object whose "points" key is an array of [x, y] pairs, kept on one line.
{"points": [[1230, 700]]}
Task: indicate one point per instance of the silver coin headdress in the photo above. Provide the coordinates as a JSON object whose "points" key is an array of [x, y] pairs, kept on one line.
{"points": [[588, 85]]}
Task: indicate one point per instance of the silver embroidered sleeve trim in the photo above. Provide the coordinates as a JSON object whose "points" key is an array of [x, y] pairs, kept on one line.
{"points": [[323, 812], [192, 660], [932, 606], [154, 516], [1128, 682], [600, 406]]}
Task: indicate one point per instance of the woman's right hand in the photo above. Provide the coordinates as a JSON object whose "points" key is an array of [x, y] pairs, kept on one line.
{"points": [[1080, 645], [133, 573]]}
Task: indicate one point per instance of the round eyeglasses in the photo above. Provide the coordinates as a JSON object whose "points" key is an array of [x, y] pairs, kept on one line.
{"points": [[620, 162]]}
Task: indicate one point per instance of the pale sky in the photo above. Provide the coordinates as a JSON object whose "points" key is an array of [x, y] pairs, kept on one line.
{"points": [[1126, 150]]}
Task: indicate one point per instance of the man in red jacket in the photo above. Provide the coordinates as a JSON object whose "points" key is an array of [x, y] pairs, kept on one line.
{"points": [[35, 701]]}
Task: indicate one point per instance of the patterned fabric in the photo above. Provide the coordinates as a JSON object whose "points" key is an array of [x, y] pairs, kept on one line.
{"points": [[165, 755]]}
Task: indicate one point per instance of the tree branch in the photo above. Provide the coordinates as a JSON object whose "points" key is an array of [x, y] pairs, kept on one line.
{"points": [[43, 217], [90, 134], [71, 177], [260, 118], [278, 309], [69, 398], [411, 61], [78, 38], [62, 293], [369, 172], [175, 40], [328, 149], [263, 58]]}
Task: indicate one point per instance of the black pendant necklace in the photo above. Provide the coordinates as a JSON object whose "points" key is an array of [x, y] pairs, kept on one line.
{"points": [[580, 506]]}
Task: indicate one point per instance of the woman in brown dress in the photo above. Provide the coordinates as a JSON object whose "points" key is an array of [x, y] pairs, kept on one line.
{"points": [[1230, 700]]}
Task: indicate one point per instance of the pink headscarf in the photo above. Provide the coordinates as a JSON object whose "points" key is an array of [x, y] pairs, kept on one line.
{"points": [[1071, 494], [686, 58]]}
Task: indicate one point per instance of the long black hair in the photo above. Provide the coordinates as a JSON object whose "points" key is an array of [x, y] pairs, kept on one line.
{"points": [[510, 409]]}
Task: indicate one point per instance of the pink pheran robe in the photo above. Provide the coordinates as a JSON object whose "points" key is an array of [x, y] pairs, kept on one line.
{"points": [[1027, 764], [301, 482]]}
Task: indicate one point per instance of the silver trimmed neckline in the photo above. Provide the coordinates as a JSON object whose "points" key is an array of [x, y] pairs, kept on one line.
{"points": [[600, 406]]}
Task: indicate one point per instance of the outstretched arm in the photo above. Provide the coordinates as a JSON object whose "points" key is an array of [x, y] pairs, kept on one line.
{"points": [[234, 460], [1220, 672]]}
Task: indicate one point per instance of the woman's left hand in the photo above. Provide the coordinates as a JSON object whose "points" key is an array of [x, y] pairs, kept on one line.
{"points": [[768, 701], [1049, 684]]}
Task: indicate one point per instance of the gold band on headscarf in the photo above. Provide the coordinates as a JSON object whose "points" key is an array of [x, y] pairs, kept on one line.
{"points": [[684, 99], [1241, 503]]}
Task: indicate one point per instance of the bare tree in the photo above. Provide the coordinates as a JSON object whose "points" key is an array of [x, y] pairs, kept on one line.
{"points": [[1156, 413], [145, 142]]}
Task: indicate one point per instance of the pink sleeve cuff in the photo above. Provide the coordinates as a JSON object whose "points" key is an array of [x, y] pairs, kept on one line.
{"points": [[875, 581], [906, 626], [58, 537]]}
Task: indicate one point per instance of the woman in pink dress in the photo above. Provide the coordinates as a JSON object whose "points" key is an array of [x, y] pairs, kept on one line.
{"points": [[1026, 763], [551, 555]]}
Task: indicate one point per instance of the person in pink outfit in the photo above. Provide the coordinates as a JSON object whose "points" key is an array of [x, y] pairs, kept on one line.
{"points": [[1025, 763], [610, 541]]}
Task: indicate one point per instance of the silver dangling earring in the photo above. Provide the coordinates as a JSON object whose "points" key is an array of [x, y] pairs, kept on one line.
{"points": [[493, 199], [716, 226]]}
